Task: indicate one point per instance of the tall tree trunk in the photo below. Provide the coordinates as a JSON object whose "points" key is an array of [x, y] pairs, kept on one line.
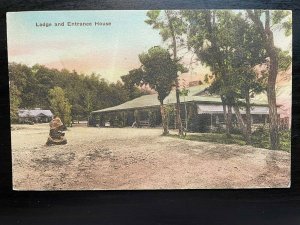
{"points": [[273, 71], [164, 118], [274, 136], [225, 115], [178, 117], [174, 45], [210, 23], [248, 116], [229, 118], [241, 123]]}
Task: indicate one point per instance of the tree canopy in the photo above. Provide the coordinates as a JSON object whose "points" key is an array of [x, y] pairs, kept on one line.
{"points": [[31, 85], [60, 105]]}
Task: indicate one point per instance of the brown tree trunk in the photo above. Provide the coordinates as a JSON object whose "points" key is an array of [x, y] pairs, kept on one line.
{"points": [[271, 51], [178, 117], [229, 118], [248, 117], [174, 44], [274, 135], [164, 119], [225, 116], [241, 123]]}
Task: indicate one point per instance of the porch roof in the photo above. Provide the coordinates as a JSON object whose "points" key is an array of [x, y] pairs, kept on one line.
{"points": [[196, 94]]}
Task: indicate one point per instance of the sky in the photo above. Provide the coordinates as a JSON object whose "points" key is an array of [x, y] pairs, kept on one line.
{"points": [[110, 51]]}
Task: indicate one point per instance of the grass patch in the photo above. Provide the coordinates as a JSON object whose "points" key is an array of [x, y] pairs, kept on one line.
{"points": [[260, 139], [213, 137]]}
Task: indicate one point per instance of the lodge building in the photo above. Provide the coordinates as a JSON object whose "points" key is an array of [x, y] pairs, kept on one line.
{"points": [[200, 111], [36, 115]]}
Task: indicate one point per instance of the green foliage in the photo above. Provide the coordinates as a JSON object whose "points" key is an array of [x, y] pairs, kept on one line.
{"points": [[84, 92], [170, 114], [283, 19], [131, 81], [261, 136], [159, 71], [230, 46], [284, 60], [60, 105], [279, 19], [285, 140], [214, 138], [184, 92], [152, 118], [170, 25], [14, 102]]}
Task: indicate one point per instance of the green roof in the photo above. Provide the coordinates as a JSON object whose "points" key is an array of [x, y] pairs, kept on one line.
{"points": [[195, 94]]}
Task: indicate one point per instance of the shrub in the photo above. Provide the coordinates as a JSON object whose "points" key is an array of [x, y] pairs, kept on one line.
{"points": [[260, 137], [285, 140]]}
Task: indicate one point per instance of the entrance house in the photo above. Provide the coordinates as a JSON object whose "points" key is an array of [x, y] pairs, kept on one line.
{"points": [[200, 111]]}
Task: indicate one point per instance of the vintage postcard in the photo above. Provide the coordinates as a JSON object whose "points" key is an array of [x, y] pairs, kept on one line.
{"points": [[159, 99]]}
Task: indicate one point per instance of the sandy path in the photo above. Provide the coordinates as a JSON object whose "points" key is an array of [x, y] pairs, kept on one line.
{"points": [[129, 158]]}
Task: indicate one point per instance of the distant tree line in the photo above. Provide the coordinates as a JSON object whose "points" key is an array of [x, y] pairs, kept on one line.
{"points": [[67, 93]]}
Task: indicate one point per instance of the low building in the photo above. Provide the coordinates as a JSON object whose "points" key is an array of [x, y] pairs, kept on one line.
{"points": [[200, 111], [36, 115]]}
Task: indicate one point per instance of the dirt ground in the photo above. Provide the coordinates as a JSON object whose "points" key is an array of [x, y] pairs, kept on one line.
{"points": [[138, 158]]}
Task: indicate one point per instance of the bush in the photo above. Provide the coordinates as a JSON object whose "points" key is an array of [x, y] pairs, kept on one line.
{"points": [[215, 138], [260, 137], [219, 129], [285, 140], [235, 130]]}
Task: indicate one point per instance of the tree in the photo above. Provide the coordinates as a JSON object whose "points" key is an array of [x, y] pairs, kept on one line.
{"points": [[77, 111], [208, 38], [60, 104], [159, 72], [22, 77], [271, 20], [131, 80], [245, 85], [15, 100], [85, 92], [171, 27], [184, 92], [244, 82], [227, 43]]}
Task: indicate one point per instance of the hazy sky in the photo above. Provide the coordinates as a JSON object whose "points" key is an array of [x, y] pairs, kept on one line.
{"points": [[108, 50]]}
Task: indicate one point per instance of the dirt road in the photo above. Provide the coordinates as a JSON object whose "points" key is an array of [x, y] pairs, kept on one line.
{"points": [[136, 158]]}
